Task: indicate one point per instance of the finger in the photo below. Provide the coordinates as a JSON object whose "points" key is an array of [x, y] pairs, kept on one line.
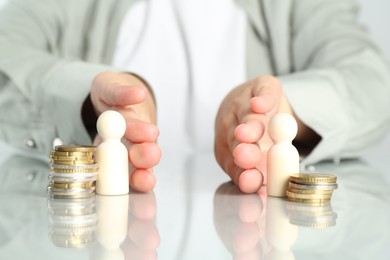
{"points": [[246, 114], [247, 156], [250, 181], [129, 112], [121, 95], [142, 180], [144, 155], [263, 104], [249, 132], [138, 131], [266, 94]]}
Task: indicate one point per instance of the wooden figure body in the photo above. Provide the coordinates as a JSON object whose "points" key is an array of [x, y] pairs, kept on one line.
{"points": [[112, 155], [282, 157]]}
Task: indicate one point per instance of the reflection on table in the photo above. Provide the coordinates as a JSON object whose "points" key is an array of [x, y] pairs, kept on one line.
{"points": [[254, 226], [122, 227], [194, 213], [72, 222]]}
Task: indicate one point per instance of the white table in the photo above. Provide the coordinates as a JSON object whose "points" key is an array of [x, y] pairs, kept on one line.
{"points": [[193, 213]]}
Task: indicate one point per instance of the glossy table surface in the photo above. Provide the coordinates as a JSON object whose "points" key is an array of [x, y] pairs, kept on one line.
{"points": [[194, 213]]}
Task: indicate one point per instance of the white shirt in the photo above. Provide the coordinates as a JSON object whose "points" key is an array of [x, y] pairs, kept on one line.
{"points": [[192, 52]]}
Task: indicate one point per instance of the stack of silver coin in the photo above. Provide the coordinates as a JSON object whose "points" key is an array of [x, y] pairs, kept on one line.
{"points": [[72, 222], [73, 172], [314, 188]]}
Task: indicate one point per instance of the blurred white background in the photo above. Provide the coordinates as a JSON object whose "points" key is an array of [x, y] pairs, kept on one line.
{"points": [[374, 14]]}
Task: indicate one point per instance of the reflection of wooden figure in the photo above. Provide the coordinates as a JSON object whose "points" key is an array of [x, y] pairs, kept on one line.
{"points": [[280, 233], [282, 157], [112, 226], [112, 155]]}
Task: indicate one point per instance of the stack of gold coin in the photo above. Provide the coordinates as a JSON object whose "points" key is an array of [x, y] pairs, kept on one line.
{"points": [[314, 188], [73, 172], [72, 222]]}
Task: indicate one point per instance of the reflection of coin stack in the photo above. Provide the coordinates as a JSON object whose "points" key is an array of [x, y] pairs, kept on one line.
{"points": [[314, 188], [72, 222], [309, 215], [73, 172]]}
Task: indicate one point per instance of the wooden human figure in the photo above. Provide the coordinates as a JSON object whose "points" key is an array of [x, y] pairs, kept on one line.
{"points": [[282, 157], [112, 155]]}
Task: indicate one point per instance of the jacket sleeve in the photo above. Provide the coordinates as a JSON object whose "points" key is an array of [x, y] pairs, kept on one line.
{"points": [[44, 77], [340, 85]]}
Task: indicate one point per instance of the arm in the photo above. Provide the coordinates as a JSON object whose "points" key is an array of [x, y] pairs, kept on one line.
{"points": [[47, 64], [52, 56], [331, 78], [340, 86]]}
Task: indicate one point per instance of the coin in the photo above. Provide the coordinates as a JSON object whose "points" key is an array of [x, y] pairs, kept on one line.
{"points": [[309, 191], [71, 171], [71, 185], [330, 186], [74, 177], [80, 156], [68, 173], [71, 158], [73, 162], [72, 154], [308, 196], [76, 154], [71, 196], [67, 166], [67, 191], [313, 201], [76, 148], [308, 178], [72, 193]]}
